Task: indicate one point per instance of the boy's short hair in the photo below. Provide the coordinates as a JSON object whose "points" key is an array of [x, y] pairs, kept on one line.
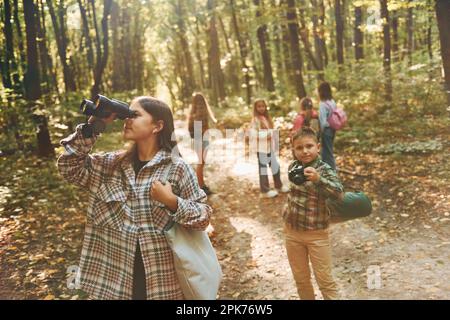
{"points": [[305, 132]]}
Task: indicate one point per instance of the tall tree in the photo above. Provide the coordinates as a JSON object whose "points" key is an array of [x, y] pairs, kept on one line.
{"points": [[395, 34], [263, 40], [359, 36], [339, 19], [42, 45], [9, 65], [338, 14], [198, 54], [19, 36], [387, 49], [442, 13], [318, 34], [102, 55], [296, 56], [304, 36], [242, 51], [430, 23], [410, 32], [86, 34], [61, 43], [32, 77], [180, 14], [215, 70]]}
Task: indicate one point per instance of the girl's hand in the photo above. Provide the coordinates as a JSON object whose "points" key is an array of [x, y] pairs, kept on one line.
{"points": [[163, 193], [311, 174]]}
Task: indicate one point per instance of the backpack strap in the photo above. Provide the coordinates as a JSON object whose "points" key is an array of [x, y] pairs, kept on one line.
{"points": [[164, 180], [330, 108]]}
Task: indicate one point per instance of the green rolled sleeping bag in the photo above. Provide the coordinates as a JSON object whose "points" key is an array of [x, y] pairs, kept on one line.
{"points": [[353, 205]]}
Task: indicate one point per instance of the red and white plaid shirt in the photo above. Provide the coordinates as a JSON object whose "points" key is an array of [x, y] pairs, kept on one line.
{"points": [[121, 212]]}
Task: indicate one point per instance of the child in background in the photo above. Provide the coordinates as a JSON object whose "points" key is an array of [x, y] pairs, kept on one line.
{"points": [[307, 117], [306, 218], [200, 111], [326, 106], [262, 127]]}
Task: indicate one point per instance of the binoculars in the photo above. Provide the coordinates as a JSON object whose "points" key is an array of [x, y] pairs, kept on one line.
{"points": [[103, 107]]}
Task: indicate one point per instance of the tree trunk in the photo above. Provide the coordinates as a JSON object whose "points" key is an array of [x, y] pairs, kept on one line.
{"points": [[32, 78], [232, 67], [138, 61], [199, 55], [102, 57], [317, 32], [395, 35], [359, 36], [287, 59], [263, 40], [387, 49], [429, 29], [87, 35], [215, 71], [32, 81], [42, 45], [9, 65], [242, 51], [296, 56], [339, 20], [304, 36], [186, 53], [442, 14], [19, 36], [61, 43], [322, 32], [339, 32], [410, 32]]}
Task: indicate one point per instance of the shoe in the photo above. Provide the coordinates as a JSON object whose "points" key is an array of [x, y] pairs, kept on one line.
{"points": [[284, 189], [269, 194], [207, 190]]}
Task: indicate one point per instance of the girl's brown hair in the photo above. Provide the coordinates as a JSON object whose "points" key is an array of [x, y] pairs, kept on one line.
{"points": [[325, 91], [159, 111], [199, 111], [265, 114]]}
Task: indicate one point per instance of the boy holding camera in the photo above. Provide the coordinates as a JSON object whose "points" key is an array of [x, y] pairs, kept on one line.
{"points": [[306, 216]]}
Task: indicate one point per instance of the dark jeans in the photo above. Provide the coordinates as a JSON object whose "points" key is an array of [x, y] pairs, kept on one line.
{"points": [[265, 160], [139, 287], [327, 147]]}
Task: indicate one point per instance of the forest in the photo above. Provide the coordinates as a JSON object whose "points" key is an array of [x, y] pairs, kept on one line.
{"points": [[388, 62]]}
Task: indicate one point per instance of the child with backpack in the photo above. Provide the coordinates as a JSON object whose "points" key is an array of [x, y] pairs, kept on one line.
{"points": [[306, 216], [307, 117], [331, 118]]}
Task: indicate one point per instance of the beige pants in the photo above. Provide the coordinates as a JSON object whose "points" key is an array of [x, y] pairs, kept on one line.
{"points": [[303, 246]]}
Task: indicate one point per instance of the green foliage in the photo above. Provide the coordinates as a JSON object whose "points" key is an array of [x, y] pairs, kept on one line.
{"points": [[412, 147]]}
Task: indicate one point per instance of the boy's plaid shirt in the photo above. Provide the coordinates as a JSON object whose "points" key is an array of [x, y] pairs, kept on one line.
{"points": [[306, 208], [120, 213]]}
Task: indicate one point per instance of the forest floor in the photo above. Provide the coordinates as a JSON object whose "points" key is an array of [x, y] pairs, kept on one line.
{"points": [[406, 237]]}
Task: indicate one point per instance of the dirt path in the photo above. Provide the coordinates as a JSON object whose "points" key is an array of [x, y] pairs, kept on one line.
{"points": [[411, 248], [413, 260]]}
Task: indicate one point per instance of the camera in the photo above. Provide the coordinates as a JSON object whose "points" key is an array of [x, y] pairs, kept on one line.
{"points": [[102, 107], [296, 174]]}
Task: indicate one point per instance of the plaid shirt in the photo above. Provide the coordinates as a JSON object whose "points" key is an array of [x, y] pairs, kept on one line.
{"points": [[121, 212], [306, 208]]}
